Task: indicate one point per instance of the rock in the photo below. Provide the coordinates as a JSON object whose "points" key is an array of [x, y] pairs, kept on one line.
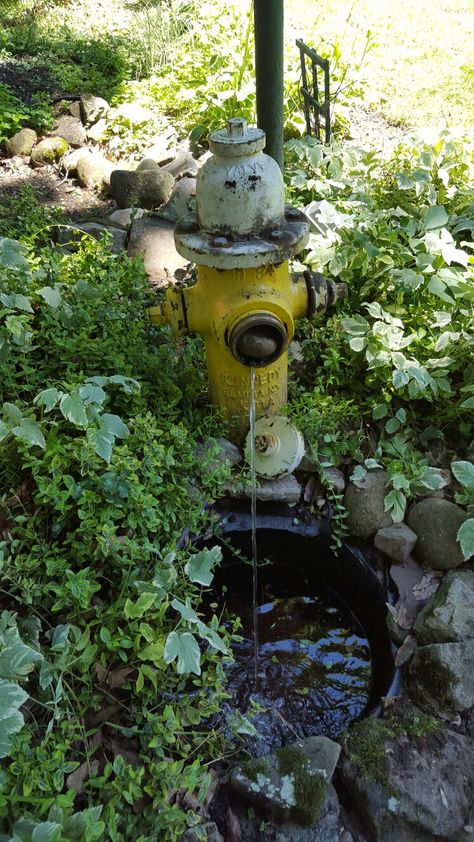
{"points": [[96, 131], [364, 503], [70, 234], [93, 108], [93, 170], [423, 791], [326, 828], [71, 130], [396, 541], [400, 620], [448, 617], [126, 216], [436, 523], [162, 149], [283, 490], [75, 109], [147, 188], [153, 239], [219, 451], [134, 113], [181, 201], [182, 164], [292, 782], [147, 164], [48, 150], [335, 479], [70, 161], [21, 143], [441, 676]]}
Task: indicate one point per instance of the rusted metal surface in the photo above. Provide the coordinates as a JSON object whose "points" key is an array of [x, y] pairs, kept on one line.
{"points": [[270, 245]]}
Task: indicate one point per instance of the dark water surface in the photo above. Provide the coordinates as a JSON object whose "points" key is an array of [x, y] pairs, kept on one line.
{"points": [[314, 664]]}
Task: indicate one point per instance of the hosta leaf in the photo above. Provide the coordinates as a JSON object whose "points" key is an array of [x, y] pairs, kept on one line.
{"points": [[465, 537], [183, 648], [72, 407], [199, 567], [464, 473], [30, 431]]}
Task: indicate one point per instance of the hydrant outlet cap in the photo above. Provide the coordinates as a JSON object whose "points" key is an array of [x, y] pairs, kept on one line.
{"points": [[237, 139]]}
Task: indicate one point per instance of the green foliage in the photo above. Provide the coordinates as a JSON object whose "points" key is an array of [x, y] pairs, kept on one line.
{"points": [[464, 473], [101, 476], [14, 114]]}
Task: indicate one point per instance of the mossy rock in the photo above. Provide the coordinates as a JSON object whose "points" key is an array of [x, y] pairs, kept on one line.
{"points": [[290, 784], [441, 676], [48, 151]]}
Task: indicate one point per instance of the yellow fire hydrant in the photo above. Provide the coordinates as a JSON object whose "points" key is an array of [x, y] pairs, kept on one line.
{"points": [[244, 302]]}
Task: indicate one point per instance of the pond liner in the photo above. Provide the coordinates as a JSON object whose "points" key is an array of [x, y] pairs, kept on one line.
{"points": [[357, 574]]}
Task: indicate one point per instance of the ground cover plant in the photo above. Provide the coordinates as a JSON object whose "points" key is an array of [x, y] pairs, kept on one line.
{"points": [[109, 668]]}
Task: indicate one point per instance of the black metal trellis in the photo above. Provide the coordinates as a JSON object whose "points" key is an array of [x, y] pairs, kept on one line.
{"points": [[311, 96]]}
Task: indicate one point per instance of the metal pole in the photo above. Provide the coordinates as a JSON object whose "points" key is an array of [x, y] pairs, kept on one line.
{"points": [[268, 17]]}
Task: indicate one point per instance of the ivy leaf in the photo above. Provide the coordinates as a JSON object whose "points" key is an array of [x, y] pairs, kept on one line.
{"points": [[11, 720], [183, 647], [92, 393], [128, 384], [134, 610], [102, 442], [46, 832], [48, 398], [17, 659], [186, 611], [4, 431], [379, 411], [465, 537], [72, 407], [84, 825], [51, 296], [240, 724], [212, 637], [199, 566], [114, 425], [30, 431], [435, 217], [11, 255], [464, 473], [12, 414]]}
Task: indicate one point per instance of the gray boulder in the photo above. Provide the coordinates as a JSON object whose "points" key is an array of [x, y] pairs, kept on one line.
{"points": [[441, 676], [71, 235], [93, 108], [147, 164], [449, 615], [153, 240], [146, 188], [401, 617], [326, 828], [21, 143], [436, 523], [181, 200], [97, 129], [75, 109], [183, 164], [423, 791], [48, 151], [93, 170], [291, 783], [125, 216], [364, 503], [395, 541], [71, 130], [220, 451]]}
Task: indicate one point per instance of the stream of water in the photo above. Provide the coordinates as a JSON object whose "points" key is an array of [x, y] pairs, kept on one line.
{"points": [[253, 479]]}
